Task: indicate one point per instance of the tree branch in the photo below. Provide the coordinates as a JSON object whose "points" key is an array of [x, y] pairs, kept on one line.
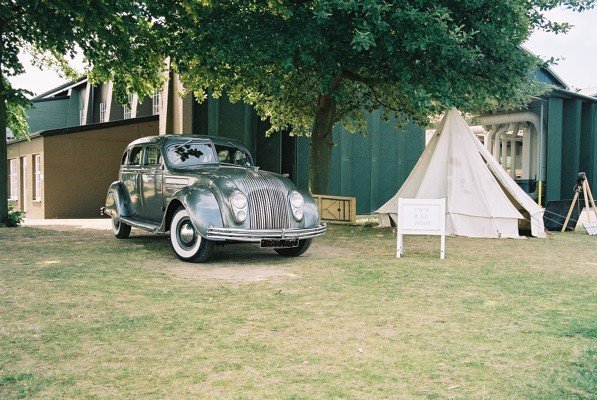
{"points": [[356, 77], [378, 100]]}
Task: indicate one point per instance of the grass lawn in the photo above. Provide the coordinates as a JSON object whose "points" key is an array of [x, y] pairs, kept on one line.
{"points": [[84, 315]]}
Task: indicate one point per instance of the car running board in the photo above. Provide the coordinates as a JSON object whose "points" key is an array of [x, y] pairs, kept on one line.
{"points": [[145, 225]]}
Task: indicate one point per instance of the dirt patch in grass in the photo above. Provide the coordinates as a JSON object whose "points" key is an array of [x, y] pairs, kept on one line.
{"points": [[231, 273], [234, 263]]}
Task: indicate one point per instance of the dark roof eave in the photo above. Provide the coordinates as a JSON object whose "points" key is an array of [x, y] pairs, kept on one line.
{"points": [[60, 88], [88, 127], [575, 94]]}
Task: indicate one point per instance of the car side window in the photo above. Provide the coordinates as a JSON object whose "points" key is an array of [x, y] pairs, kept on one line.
{"points": [[153, 157], [124, 158], [135, 158], [232, 155]]}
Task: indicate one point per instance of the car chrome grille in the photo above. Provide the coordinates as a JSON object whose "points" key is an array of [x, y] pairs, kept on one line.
{"points": [[268, 202]]}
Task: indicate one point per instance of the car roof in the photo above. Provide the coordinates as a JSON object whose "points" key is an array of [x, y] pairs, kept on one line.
{"points": [[176, 138]]}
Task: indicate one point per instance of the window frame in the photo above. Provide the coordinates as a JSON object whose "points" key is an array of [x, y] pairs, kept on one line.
{"points": [[156, 99], [159, 159], [124, 160], [128, 108], [130, 156], [103, 108], [13, 178], [37, 177]]}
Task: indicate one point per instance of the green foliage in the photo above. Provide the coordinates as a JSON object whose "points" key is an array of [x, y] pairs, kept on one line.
{"points": [[15, 217], [122, 41], [411, 59]]}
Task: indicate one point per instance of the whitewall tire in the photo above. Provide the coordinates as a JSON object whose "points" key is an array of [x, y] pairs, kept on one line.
{"points": [[187, 243], [120, 229]]}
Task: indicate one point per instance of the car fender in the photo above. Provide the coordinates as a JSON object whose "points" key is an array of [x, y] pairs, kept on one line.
{"points": [[311, 212], [116, 204], [202, 206]]}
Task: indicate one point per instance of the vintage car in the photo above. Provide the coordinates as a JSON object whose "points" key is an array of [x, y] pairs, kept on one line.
{"points": [[206, 191]]}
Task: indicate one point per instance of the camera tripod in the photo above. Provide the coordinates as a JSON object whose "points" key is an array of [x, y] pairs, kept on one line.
{"points": [[582, 186]]}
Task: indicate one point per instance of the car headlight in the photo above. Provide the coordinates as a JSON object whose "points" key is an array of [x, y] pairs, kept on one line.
{"points": [[239, 203], [297, 204]]}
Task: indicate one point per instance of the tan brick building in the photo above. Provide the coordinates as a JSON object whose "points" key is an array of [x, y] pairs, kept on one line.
{"points": [[64, 173]]}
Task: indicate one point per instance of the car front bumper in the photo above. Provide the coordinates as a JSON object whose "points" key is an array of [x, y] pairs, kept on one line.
{"points": [[255, 235]]}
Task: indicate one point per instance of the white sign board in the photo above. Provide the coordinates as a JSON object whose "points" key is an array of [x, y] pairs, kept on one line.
{"points": [[591, 228], [421, 217]]}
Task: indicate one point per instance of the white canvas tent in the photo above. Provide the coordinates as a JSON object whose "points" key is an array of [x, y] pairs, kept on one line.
{"points": [[482, 200]]}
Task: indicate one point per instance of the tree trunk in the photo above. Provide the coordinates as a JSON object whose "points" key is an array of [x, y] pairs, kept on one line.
{"points": [[3, 152], [321, 145]]}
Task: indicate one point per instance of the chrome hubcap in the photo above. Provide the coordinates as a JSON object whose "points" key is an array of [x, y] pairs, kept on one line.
{"points": [[187, 233]]}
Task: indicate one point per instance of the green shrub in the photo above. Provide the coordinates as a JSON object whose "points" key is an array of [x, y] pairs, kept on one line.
{"points": [[15, 217]]}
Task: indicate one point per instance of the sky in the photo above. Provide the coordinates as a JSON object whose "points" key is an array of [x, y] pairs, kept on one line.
{"points": [[577, 51]]}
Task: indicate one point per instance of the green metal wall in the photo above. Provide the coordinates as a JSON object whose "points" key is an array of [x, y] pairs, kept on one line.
{"points": [[369, 167], [588, 143], [571, 145], [48, 114]]}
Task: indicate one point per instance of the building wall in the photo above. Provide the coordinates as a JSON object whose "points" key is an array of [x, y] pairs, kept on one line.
{"points": [[24, 151], [76, 103], [370, 167], [80, 166], [48, 114], [100, 94], [144, 108], [571, 145]]}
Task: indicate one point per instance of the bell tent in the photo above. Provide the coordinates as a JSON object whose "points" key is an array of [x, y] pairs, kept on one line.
{"points": [[482, 200]]}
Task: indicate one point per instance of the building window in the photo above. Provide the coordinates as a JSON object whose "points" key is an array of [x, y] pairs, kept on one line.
{"points": [[128, 107], [37, 177], [155, 102], [81, 116], [103, 108], [13, 178]]}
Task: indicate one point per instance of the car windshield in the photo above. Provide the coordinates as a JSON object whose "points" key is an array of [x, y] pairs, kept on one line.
{"points": [[190, 154], [230, 154]]}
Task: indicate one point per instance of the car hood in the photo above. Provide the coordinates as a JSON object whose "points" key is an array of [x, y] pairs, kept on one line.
{"points": [[229, 178], [246, 178]]}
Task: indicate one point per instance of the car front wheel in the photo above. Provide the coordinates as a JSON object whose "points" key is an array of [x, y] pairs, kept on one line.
{"points": [[186, 241], [295, 251], [120, 229]]}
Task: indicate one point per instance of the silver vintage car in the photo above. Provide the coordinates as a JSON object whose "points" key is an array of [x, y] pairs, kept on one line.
{"points": [[206, 191]]}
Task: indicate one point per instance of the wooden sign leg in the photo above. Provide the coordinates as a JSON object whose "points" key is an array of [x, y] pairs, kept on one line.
{"points": [[570, 211], [442, 247]]}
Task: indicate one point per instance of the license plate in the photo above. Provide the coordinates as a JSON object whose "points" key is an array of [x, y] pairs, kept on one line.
{"points": [[279, 243]]}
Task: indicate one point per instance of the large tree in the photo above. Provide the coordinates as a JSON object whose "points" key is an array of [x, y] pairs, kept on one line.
{"points": [[125, 41], [308, 64]]}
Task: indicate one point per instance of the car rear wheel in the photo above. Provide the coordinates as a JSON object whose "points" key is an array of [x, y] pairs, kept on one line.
{"points": [[120, 229], [295, 251], [186, 241]]}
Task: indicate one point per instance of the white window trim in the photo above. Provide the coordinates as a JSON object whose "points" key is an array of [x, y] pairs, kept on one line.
{"points": [[103, 109], [14, 179], [155, 103], [37, 177], [127, 112], [128, 108]]}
